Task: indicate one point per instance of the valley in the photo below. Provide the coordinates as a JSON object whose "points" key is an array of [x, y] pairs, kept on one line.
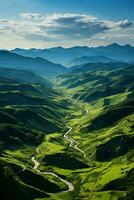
{"points": [[70, 137], [66, 100]]}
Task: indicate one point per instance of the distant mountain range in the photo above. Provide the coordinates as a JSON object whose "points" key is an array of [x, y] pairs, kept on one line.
{"points": [[39, 65], [42, 67], [65, 55]]}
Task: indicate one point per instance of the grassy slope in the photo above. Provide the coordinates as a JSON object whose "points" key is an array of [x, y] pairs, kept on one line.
{"points": [[22, 129], [109, 148]]}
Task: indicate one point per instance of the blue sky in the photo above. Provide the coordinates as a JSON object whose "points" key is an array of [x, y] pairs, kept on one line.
{"points": [[110, 9], [80, 22]]}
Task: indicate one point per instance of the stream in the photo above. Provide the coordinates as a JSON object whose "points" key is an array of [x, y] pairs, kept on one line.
{"points": [[36, 166]]}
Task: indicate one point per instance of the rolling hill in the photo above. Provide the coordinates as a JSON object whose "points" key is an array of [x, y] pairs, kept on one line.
{"points": [[91, 59], [39, 65], [98, 67]]}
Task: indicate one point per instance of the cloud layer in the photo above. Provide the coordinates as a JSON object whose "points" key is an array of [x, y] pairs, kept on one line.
{"points": [[62, 27]]}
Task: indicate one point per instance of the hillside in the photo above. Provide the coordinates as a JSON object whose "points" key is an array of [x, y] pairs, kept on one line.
{"points": [[29, 103], [91, 59], [104, 129], [30, 109], [98, 66], [23, 76], [38, 65]]}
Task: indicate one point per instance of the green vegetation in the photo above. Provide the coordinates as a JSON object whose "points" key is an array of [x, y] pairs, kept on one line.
{"points": [[105, 133], [98, 106]]}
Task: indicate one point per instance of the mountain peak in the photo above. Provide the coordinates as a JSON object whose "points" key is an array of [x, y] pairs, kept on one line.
{"points": [[127, 45], [114, 45], [56, 48]]}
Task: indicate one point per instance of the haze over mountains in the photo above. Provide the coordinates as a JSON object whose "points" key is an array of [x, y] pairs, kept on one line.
{"points": [[65, 56], [90, 59], [38, 64], [28, 60]]}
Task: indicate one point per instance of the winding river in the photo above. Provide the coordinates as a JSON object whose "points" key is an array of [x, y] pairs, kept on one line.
{"points": [[73, 144], [36, 166]]}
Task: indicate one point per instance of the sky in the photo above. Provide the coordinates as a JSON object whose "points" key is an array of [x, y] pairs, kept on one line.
{"points": [[48, 23]]}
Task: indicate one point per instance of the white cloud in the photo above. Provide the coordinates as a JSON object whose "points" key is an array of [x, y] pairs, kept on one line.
{"points": [[32, 16], [63, 29], [125, 23]]}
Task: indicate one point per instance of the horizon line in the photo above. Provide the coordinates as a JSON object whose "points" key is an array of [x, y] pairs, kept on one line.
{"points": [[87, 46]]}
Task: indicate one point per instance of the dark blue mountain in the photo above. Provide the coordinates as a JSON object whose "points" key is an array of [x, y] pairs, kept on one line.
{"points": [[66, 55], [39, 65]]}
